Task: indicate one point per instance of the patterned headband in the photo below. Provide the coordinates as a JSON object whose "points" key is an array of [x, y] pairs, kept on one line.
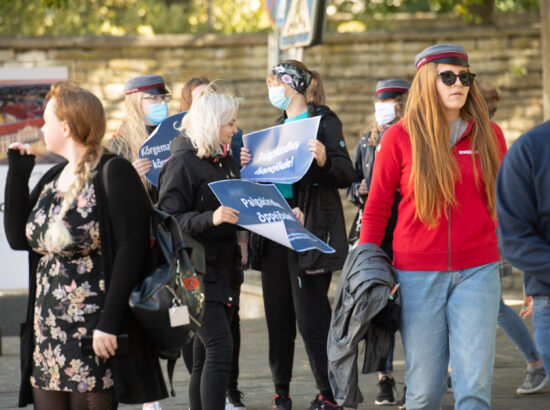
{"points": [[293, 76]]}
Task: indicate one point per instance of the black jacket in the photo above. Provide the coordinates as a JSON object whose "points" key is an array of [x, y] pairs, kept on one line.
{"points": [[184, 193], [316, 194], [124, 249], [523, 208], [363, 160], [362, 311]]}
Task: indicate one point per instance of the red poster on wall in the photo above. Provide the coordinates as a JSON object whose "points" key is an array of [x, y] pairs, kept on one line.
{"points": [[22, 99]]}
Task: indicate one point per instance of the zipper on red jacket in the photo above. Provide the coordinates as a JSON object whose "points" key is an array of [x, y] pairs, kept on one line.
{"points": [[449, 236]]}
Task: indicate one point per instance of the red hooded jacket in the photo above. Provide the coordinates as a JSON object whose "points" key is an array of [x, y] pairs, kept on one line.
{"points": [[465, 239]]}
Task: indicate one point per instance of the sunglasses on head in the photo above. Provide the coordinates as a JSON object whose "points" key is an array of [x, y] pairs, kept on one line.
{"points": [[449, 78]]}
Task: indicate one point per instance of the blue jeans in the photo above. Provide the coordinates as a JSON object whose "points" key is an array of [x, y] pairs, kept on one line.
{"points": [[541, 323], [449, 315], [511, 324]]}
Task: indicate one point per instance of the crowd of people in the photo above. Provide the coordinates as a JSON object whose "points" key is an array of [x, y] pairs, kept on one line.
{"points": [[430, 175]]}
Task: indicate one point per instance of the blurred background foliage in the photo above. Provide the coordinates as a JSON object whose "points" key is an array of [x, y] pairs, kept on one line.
{"points": [[148, 17]]}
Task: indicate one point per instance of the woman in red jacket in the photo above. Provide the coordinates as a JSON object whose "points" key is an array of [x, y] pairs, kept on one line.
{"points": [[443, 157]]}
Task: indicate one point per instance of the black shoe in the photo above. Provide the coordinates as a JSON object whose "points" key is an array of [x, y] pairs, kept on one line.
{"points": [[320, 402], [386, 392], [281, 402], [449, 384], [234, 400]]}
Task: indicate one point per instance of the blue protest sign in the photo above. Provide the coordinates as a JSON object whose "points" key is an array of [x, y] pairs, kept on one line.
{"points": [[281, 153], [264, 211], [157, 146]]}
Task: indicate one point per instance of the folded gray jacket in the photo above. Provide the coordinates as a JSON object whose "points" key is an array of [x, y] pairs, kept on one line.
{"points": [[361, 312]]}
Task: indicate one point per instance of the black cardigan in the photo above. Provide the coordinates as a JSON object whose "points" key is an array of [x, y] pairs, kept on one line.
{"points": [[125, 251]]}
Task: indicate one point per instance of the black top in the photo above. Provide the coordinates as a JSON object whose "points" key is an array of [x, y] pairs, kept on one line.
{"points": [[124, 249], [316, 194], [184, 193]]}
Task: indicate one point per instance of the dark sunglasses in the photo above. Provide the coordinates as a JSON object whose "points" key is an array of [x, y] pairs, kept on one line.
{"points": [[449, 78]]}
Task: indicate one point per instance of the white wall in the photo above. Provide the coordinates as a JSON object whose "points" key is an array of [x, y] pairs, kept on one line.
{"points": [[13, 264]]}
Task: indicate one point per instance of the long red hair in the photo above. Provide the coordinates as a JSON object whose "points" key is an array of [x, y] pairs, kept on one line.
{"points": [[434, 168]]}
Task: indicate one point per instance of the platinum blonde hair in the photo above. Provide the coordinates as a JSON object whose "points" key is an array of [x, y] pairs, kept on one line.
{"points": [[210, 111]]}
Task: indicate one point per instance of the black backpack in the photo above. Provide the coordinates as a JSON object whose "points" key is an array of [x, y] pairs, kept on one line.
{"points": [[168, 303]]}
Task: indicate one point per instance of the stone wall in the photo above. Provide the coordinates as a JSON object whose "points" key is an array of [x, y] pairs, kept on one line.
{"points": [[505, 55]]}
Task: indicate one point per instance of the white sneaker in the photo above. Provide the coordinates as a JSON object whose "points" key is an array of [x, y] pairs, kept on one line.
{"points": [[152, 406], [233, 401]]}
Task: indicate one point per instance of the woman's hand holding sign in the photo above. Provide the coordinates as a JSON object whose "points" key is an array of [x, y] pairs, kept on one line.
{"points": [[299, 215], [318, 150], [142, 166], [225, 214], [245, 156]]}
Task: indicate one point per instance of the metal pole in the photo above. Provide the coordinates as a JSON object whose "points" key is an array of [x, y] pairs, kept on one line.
{"points": [[296, 53], [273, 48]]}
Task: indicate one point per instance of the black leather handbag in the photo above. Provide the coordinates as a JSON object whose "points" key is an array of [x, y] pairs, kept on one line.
{"points": [[168, 304]]}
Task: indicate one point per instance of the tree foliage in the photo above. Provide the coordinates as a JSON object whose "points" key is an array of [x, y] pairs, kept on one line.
{"points": [[121, 17]]}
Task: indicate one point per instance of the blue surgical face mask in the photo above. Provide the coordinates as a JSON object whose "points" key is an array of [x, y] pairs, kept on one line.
{"points": [[277, 97], [157, 113]]}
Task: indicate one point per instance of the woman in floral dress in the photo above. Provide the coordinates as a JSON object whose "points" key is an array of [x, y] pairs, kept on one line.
{"points": [[85, 227]]}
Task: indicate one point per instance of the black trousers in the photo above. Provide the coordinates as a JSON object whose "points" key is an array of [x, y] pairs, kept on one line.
{"points": [[232, 384], [287, 300], [212, 356]]}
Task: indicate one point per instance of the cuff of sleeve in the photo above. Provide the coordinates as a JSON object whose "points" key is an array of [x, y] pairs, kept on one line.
{"points": [[111, 324], [22, 164], [327, 166], [208, 219]]}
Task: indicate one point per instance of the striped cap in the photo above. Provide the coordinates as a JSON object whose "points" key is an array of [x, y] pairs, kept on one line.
{"points": [[150, 84], [442, 53], [391, 88]]}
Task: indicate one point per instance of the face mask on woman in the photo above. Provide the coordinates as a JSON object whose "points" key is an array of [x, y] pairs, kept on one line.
{"points": [[277, 97], [384, 112], [157, 113]]}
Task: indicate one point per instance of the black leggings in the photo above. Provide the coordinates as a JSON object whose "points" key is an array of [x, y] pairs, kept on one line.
{"points": [[61, 400], [232, 384], [288, 300], [212, 354]]}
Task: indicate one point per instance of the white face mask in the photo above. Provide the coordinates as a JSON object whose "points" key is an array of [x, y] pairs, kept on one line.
{"points": [[384, 112]]}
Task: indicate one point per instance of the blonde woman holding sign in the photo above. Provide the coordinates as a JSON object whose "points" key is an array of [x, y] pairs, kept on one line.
{"points": [[199, 156]]}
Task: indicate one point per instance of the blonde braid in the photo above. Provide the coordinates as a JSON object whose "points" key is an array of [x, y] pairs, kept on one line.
{"points": [[58, 236]]}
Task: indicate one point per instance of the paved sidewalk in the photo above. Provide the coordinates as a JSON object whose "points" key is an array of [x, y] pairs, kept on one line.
{"points": [[255, 379]]}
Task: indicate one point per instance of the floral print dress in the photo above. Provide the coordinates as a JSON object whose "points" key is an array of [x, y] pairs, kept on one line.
{"points": [[70, 294]]}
